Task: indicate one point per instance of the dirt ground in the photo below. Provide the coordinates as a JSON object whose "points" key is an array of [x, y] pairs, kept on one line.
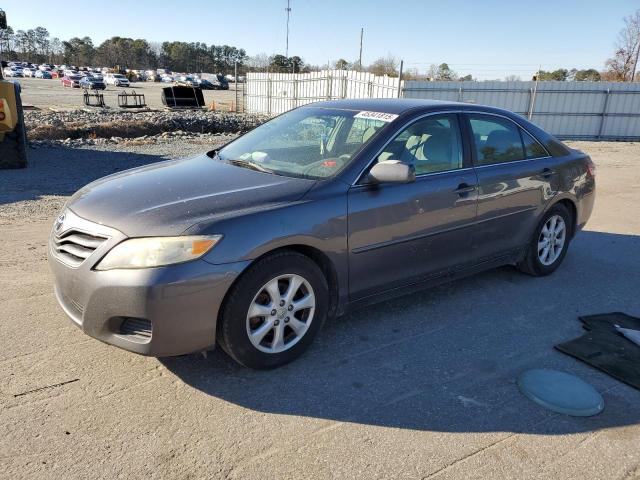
{"points": [[45, 94], [420, 387]]}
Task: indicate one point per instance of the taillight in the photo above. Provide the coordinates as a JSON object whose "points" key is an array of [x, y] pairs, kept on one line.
{"points": [[591, 168]]}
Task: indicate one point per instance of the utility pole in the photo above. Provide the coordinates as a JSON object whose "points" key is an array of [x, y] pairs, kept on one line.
{"points": [[235, 75], [400, 78], [635, 63], [288, 9], [360, 58]]}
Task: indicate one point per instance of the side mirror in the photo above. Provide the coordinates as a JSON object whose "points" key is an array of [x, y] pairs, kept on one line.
{"points": [[392, 171]]}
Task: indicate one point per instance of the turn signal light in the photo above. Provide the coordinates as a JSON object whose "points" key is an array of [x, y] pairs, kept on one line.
{"points": [[2, 116], [198, 247]]}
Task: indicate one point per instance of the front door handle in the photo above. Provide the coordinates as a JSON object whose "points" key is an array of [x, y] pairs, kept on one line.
{"points": [[464, 189]]}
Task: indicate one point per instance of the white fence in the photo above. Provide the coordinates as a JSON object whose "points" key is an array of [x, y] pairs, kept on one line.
{"points": [[274, 93], [569, 110]]}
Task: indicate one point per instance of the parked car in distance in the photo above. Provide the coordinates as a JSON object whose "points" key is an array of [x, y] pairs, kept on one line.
{"points": [[217, 82], [356, 201], [13, 72], [71, 81], [166, 78], [116, 79], [29, 72], [43, 74], [92, 83], [187, 81], [206, 85]]}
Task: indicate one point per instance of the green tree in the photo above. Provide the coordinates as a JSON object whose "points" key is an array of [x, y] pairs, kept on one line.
{"points": [[341, 64], [589, 75], [6, 43], [445, 73], [560, 74], [282, 64], [42, 44], [79, 51]]}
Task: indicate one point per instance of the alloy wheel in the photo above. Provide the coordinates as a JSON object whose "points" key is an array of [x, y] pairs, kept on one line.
{"points": [[551, 240], [280, 313]]}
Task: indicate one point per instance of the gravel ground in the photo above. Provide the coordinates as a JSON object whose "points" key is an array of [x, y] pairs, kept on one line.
{"points": [[418, 387]]}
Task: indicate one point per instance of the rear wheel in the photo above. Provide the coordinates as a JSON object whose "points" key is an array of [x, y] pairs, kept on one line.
{"points": [[274, 311], [549, 244], [13, 148]]}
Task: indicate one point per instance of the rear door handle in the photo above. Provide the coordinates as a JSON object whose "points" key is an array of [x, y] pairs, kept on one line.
{"points": [[464, 189], [546, 173]]}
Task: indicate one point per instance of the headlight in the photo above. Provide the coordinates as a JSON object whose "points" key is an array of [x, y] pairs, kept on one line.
{"points": [[157, 251]]}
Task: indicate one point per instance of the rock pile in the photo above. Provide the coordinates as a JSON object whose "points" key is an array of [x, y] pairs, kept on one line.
{"points": [[115, 125]]}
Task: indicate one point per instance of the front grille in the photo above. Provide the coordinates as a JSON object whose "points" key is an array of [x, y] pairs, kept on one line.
{"points": [[74, 247], [139, 328]]}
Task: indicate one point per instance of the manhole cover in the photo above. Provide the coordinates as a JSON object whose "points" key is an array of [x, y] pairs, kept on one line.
{"points": [[561, 392]]}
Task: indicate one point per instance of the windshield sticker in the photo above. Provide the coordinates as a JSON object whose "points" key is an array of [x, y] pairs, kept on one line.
{"points": [[385, 117]]}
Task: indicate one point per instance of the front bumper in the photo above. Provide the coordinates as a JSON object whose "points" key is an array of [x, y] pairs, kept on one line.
{"points": [[179, 302]]}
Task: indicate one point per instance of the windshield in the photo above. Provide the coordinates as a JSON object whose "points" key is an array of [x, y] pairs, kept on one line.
{"points": [[309, 142]]}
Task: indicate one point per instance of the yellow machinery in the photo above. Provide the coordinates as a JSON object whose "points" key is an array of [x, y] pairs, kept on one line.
{"points": [[13, 140]]}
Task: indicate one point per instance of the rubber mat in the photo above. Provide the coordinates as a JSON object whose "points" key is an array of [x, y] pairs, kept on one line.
{"points": [[604, 348], [607, 321]]}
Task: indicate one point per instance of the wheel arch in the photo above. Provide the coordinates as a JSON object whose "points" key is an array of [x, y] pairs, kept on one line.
{"points": [[572, 208], [314, 254]]}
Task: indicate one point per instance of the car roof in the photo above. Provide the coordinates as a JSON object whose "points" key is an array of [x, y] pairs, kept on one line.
{"points": [[399, 106], [387, 105]]}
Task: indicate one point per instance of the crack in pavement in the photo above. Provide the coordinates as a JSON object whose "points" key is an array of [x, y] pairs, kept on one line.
{"points": [[55, 385]]}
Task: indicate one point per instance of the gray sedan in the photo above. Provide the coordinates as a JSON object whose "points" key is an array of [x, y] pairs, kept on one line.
{"points": [[326, 208]]}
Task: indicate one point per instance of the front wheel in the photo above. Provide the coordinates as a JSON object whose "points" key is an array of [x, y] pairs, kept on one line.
{"points": [[549, 244], [274, 311]]}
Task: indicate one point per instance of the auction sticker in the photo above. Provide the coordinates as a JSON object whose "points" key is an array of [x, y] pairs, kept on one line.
{"points": [[385, 117]]}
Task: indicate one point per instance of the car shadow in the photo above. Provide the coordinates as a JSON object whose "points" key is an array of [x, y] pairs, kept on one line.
{"points": [[61, 171], [447, 359]]}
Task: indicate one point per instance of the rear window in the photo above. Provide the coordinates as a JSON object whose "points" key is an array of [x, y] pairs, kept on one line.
{"points": [[532, 148], [499, 140]]}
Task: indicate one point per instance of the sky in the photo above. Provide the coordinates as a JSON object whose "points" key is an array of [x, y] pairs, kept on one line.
{"points": [[487, 38]]}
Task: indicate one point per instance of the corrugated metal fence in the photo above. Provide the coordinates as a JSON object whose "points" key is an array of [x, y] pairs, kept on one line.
{"points": [[569, 110]]}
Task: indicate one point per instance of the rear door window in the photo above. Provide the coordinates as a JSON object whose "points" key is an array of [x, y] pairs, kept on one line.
{"points": [[496, 140]]}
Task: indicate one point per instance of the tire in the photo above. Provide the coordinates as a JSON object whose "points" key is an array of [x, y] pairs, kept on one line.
{"points": [[235, 323], [535, 262], [13, 148]]}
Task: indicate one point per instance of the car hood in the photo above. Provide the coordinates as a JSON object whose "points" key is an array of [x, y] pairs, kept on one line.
{"points": [[167, 198]]}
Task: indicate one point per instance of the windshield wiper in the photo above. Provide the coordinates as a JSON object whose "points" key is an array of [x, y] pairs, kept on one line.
{"points": [[250, 165]]}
